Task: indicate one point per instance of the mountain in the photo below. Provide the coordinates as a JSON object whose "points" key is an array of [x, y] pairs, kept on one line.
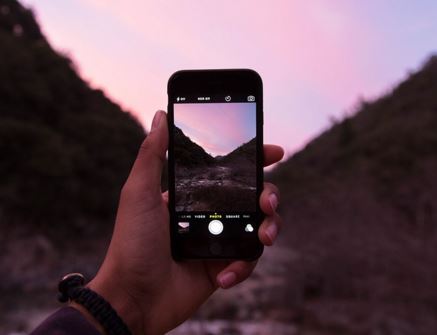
{"points": [[66, 147], [66, 150], [187, 153], [190, 154], [244, 154], [222, 183], [359, 204]]}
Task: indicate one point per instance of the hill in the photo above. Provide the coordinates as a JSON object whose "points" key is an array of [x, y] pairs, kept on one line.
{"points": [[206, 183], [360, 206], [244, 154], [66, 147], [66, 150], [187, 153]]}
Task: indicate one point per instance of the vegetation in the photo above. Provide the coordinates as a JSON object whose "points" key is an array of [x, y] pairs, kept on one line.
{"points": [[360, 204], [66, 148]]}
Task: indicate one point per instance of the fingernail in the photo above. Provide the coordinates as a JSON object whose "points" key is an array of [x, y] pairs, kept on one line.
{"points": [[227, 280], [156, 119], [273, 199], [272, 232]]}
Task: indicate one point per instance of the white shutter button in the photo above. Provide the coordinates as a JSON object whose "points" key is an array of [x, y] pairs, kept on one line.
{"points": [[215, 227]]}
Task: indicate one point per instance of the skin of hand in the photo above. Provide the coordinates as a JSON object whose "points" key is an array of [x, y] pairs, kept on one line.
{"points": [[149, 290]]}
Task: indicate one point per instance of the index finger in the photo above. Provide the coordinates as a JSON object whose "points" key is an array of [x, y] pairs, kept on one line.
{"points": [[272, 154]]}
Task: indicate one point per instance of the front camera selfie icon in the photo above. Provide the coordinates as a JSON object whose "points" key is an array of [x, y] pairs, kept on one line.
{"points": [[184, 227], [250, 98], [215, 227], [228, 98], [248, 228]]}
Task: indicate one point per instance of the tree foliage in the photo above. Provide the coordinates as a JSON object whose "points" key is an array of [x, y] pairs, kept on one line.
{"points": [[66, 148]]}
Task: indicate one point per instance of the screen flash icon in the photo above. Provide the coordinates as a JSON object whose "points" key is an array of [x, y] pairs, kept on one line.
{"points": [[177, 99], [250, 98]]}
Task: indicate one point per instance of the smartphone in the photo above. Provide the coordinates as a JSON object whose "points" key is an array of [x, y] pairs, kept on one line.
{"points": [[215, 163]]}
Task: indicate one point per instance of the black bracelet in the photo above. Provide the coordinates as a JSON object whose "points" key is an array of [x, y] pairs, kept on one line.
{"points": [[71, 288]]}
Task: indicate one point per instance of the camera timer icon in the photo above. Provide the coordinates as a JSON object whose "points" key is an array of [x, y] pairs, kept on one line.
{"points": [[227, 98]]}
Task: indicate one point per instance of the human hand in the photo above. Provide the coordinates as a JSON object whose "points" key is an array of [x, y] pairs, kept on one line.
{"points": [[149, 290]]}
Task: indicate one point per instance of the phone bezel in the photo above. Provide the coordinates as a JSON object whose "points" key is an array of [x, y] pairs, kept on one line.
{"points": [[233, 81]]}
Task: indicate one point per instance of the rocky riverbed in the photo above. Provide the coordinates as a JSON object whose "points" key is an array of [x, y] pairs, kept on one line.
{"points": [[218, 188]]}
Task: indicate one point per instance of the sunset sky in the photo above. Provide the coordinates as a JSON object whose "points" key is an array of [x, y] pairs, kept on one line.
{"points": [[316, 58], [218, 128]]}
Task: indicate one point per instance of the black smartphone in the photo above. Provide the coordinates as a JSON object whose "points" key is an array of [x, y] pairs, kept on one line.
{"points": [[215, 163]]}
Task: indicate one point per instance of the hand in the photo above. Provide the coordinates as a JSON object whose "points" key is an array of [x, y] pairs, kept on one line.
{"points": [[150, 291]]}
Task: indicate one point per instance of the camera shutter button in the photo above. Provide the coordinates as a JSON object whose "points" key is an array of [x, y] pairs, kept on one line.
{"points": [[215, 227]]}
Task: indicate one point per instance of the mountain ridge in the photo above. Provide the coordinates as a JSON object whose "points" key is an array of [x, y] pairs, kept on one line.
{"points": [[359, 204], [60, 136], [66, 152], [189, 153]]}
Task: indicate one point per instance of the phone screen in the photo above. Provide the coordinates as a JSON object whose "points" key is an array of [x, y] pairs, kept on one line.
{"points": [[215, 168]]}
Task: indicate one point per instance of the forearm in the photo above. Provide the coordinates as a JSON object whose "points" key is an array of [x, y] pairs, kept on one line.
{"points": [[66, 321]]}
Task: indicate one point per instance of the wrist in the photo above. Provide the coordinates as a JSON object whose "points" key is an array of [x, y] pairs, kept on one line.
{"points": [[114, 293]]}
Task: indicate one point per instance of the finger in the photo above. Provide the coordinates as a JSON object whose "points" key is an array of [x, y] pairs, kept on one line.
{"points": [[269, 229], [235, 273], [145, 176], [165, 197], [269, 199], [272, 154]]}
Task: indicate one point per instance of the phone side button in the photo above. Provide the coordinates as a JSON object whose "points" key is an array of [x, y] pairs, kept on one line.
{"points": [[215, 248]]}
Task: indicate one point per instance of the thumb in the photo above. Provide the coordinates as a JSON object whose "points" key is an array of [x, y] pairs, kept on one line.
{"points": [[145, 176]]}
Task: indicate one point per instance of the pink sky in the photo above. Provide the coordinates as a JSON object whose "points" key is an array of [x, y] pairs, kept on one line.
{"points": [[218, 128], [316, 57]]}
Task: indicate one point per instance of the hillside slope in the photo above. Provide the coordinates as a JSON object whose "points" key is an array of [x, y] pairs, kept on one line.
{"points": [[244, 154], [206, 183], [360, 206], [66, 147], [187, 153], [66, 150]]}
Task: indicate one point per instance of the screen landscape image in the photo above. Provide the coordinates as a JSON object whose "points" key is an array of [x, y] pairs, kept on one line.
{"points": [[215, 157]]}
